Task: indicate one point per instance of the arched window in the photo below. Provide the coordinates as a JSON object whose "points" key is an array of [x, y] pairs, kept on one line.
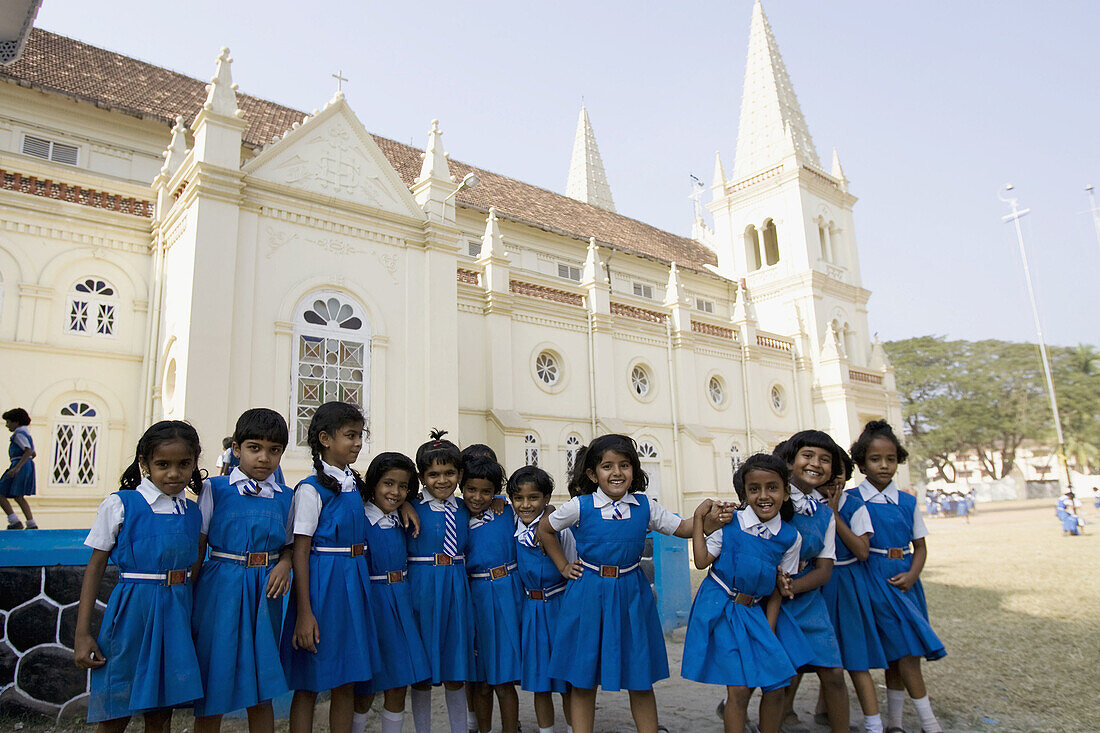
{"points": [[849, 342], [93, 304], [823, 237], [647, 451], [75, 444], [836, 246], [771, 243], [752, 248], [572, 448], [331, 358], [530, 450]]}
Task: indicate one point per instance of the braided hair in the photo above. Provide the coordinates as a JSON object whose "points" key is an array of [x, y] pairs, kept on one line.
{"points": [[157, 435], [330, 418], [437, 450]]}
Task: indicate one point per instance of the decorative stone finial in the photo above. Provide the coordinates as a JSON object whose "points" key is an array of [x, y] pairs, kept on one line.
{"points": [[830, 347], [591, 272], [492, 245], [435, 158], [587, 179], [879, 359], [673, 289], [221, 92], [176, 150], [719, 172], [838, 171]]}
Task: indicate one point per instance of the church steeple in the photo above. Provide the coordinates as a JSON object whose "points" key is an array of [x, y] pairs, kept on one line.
{"points": [[587, 179], [771, 118]]}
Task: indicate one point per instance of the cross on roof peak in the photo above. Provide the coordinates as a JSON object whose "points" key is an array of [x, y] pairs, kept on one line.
{"points": [[340, 79]]}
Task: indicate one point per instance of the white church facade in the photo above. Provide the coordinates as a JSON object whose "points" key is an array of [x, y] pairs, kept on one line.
{"points": [[170, 249]]}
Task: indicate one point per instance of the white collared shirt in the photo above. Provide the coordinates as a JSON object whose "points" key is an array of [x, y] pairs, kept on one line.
{"points": [[749, 522], [660, 519], [889, 495], [799, 499], [305, 508], [239, 480], [21, 436], [439, 506], [565, 537], [108, 518], [861, 518], [375, 515]]}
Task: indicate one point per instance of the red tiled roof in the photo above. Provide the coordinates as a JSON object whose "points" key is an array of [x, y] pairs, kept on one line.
{"points": [[54, 63]]}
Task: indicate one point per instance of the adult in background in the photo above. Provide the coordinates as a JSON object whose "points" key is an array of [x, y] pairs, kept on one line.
{"points": [[18, 481]]}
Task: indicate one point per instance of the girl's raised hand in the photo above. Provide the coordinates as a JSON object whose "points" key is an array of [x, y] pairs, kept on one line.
{"points": [[409, 518], [572, 570], [278, 580], [86, 652], [307, 635]]}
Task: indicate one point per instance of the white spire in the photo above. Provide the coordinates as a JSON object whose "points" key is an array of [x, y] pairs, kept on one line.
{"points": [[491, 243], [221, 92], [771, 119], [587, 179], [830, 346], [435, 159], [176, 151], [719, 172], [838, 172], [591, 273], [673, 288]]}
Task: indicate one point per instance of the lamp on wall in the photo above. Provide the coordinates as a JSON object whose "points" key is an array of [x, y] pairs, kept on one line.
{"points": [[470, 180]]}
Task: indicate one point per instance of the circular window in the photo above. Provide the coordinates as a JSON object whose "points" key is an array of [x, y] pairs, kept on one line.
{"points": [[170, 380], [639, 381], [778, 399], [546, 368], [715, 391]]}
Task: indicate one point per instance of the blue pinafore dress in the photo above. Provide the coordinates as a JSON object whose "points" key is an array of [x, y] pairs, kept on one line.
{"points": [[901, 618], [404, 661], [729, 643], [804, 619], [608, 632], [495, 594], [1070, 522], [441, 596], [22, 483], [236, 626], [543, 590], [338, 583], [848, 599], [146, 631]]}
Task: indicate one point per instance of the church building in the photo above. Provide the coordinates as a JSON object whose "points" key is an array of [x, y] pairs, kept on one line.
{"points": [[171, 248]]}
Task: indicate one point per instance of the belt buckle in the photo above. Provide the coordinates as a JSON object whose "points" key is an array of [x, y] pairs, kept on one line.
{"points": [[175, 577], [895, 553], [536, 595], [442, 558], [256, 560], [395, 576], [500, 571], [357, 550], [609, 571], [743, 598]]}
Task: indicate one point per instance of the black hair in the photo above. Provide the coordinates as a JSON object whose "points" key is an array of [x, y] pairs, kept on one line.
{"points": [[483, 468], [157, 435], [872, 430], [765, 462], [531, 475], [19, 415], [227, 441], [437, 450], [260, 423], [589, 457], [849, 465], [329, 418], [389, 461], [478, 450], [789, 448]]}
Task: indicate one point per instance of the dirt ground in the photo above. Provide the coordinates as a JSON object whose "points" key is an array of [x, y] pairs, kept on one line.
{"points": [[1015, 602]]}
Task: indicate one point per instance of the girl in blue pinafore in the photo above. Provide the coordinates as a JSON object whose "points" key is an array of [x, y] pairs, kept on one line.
{"points": [[1071, 523], [608, 632], [813, 459], [437, 580], [730, 637], [846, 597], [495, 593], [143, 660], [17, 482], [329, 641], [239, 594], [529, 490], [391, 481], [894, 587]]}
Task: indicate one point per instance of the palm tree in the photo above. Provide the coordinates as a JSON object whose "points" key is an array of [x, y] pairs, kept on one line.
{"points": [[1086, 359]]}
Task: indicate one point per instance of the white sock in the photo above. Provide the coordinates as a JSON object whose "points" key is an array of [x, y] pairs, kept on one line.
{"points": [[31, 524], [13, 518], [391, 722], [359, 722], [471, 719], [895, 704], [421, 703], [568, 728], [872, 723], [456, 709], [927, 717]]}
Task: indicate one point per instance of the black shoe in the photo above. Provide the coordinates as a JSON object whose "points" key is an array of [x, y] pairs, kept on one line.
{"points": [[15, 525], [721, 710]]}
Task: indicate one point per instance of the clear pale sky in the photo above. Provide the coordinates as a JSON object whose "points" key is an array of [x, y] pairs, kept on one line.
{"points": [[933, 105]]}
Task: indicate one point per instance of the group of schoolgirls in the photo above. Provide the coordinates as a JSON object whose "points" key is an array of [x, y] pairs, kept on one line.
{"points": [[388, 589], [805, 576]]}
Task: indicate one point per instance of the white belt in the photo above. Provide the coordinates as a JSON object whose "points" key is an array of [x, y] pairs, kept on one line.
{"points": [[439, 558], [172, 577], [610, 571], [355, 550], [745, 599], [250, 559], [895, 553], [842, 563], [501, 571], [393, 576], [544, 594]]}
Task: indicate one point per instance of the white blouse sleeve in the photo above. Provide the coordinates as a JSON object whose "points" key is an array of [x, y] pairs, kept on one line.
{"points": [[305, 512], [20, 438], [828, 551], [714, 543], [568, 545], [861, 522], [567, 515], [660, 519], [206, 505], [108, 521], [789, 562], [919, 528]]}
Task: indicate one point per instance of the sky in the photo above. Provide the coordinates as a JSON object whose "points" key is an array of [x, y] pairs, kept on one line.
{"points": [[932, 105]]}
